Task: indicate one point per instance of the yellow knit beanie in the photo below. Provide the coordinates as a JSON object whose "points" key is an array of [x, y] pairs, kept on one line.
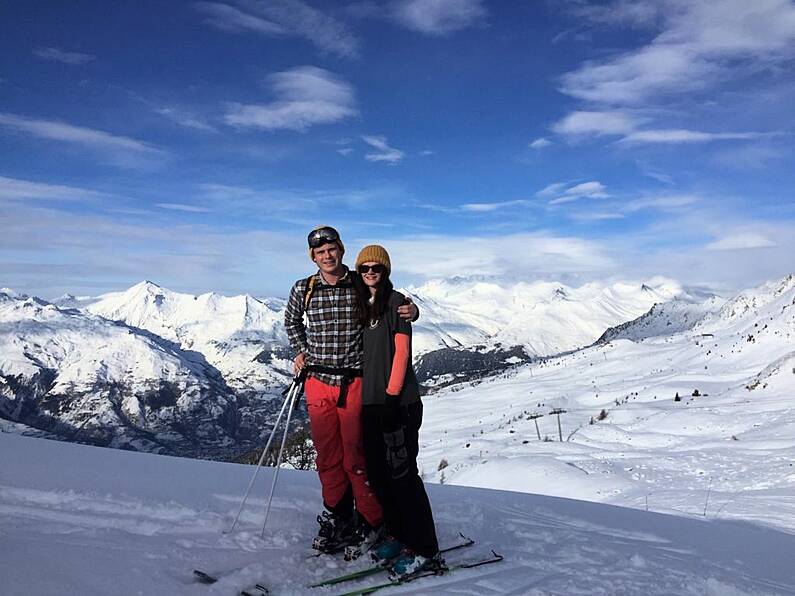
{"points": [[374, 253], [338, 241]]}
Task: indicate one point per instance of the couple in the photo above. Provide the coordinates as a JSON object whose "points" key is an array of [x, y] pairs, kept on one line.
{"points": [[364, 407]]}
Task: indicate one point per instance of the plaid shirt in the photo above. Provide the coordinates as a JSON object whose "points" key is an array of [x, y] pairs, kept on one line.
{"points": [[332, 335]]}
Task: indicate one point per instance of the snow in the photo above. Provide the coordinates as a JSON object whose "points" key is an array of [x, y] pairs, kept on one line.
{"points": [[735, 440], [92, 521], [656, 496], [230, 332], [95, 376], [546, 318]]}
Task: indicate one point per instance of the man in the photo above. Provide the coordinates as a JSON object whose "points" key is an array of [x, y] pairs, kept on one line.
{"points": [[329, 345]]}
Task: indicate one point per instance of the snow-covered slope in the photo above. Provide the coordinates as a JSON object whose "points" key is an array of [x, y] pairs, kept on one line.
{"points": [[545, 318], [730, 450], [239, 335], [81, 520], [84, 378], [667, 318]]}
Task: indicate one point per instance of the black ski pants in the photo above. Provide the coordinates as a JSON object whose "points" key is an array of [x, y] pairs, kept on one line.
{"points": [[407, 510]]}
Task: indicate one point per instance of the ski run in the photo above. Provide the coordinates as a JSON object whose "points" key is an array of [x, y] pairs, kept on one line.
{"points": [[84, 520]]}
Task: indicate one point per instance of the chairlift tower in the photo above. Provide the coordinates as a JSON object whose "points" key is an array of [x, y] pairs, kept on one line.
{"points": [[558, 412], [534, 418]]}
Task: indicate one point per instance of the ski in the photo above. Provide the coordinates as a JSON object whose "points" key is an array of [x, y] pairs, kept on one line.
{"points": [[211, 578], [465, 541], [262, 590], [203, 577], [494, 558]]}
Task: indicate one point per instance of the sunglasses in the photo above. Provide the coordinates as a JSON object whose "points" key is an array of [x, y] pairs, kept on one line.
{"points": [[322, 236], [377, 268]]}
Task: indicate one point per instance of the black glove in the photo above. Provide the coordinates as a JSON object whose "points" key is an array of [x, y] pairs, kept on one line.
{"points": [[397, 455], [393, 413]]}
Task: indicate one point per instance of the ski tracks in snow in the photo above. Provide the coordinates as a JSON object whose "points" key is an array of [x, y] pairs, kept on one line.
{"points": [[70, 511]]}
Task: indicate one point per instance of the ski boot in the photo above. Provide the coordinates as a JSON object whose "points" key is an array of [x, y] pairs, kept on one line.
{"points": [[387, 550], [410, 564], [368, 537], [335, 532]]}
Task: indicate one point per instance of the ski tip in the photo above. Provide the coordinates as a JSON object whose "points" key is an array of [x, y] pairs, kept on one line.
{"points": [[204, 577]]}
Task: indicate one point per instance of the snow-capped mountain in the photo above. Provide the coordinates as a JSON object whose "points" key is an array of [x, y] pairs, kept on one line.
{"points": [[667, 318], [238, 351], [240, 335], [544, 318], [488, 326], [681, 417], [82, 377]]}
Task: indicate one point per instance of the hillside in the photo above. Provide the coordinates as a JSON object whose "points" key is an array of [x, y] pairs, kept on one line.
{"points": [[90, 521], [85, 378], [100, 370], [626, 440]]}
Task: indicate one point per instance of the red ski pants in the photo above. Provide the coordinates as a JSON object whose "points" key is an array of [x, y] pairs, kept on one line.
{"points": [[337, 435]]}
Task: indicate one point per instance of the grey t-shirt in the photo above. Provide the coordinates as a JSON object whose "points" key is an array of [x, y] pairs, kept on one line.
{"points": [[379, 351]]}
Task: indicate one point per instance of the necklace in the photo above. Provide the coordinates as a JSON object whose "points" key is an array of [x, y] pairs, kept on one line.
{"points": [[373, 322]]}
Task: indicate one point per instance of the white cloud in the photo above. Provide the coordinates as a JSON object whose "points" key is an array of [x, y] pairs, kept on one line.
{"points": [[117, 149], [700, 43], [550, 190], [596, 123], [426, 152], [57, 55], [182, 207], [49, 252], [231, 19], [293, 205], [626, 125], [485, 207], [540, 143], [585, 190], [14, 188], [255, 201], [185, 118], [636, 13], [662, 203], [345, 151], [306, 96], [439, 17], [679, 135], [520, 255], [741, 241], [384, 153], [595, 190], [587, 217], [757, 156], [658, 176], [282, 18]]}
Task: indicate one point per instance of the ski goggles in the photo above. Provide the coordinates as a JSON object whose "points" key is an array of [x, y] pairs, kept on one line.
{"points": [[322, 236], [377, 268]]}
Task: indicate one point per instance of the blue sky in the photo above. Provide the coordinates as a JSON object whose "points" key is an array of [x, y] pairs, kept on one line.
{"points": [[196, 143]]}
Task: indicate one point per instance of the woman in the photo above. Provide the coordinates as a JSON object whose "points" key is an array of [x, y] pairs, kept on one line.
{"points": [[391, 418]]}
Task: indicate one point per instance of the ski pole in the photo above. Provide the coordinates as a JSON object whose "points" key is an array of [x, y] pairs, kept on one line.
{"points": [[279, 459], [292, 389]]}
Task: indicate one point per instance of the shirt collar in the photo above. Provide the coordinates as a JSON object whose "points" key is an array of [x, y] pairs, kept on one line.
{"points": [[345, 276]]}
